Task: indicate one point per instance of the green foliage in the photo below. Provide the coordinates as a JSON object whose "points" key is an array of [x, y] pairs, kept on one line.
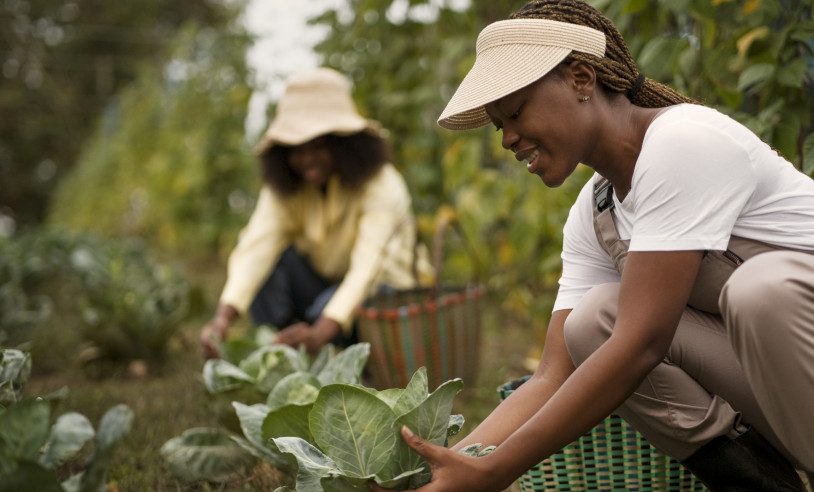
{"points": [[61, 62], [31, 451], [127, 304], [168, 161], [753, 60]]}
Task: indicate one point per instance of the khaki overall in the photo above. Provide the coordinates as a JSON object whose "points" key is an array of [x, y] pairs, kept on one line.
{"points": [[746, 336]]}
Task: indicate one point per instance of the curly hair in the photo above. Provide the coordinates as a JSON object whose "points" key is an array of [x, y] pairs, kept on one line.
{"points": [[356, 157], [616, 71]]}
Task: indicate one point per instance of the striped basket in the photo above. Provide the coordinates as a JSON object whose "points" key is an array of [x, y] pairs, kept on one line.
{"points": [[613, 456], [434, 328]]}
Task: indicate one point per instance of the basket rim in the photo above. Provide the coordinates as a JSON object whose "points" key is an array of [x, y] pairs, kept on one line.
{"points": [[445, 295]]}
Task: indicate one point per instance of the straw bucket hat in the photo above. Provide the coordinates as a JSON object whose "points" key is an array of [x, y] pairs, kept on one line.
{"points": [[315, 103], [510, 55]]}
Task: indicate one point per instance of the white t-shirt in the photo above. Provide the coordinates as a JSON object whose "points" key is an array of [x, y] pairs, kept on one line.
{"points": [[700, 178]]}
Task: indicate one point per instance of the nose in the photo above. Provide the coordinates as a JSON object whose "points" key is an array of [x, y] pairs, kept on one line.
{"points": [[509, 139], [302, 153]]}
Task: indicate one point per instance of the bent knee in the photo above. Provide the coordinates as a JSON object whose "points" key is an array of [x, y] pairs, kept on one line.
{"points": [[590, 323], [756, 288]]}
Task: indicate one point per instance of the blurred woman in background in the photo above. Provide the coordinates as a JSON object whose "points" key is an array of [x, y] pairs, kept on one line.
{"points": [[333, 222]]}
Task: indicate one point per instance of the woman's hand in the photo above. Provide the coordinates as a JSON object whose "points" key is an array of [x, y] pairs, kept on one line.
{"points": [[312, 336], [451, 471], [214, 332]]}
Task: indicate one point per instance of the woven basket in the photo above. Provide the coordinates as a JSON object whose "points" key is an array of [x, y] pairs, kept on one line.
{"points": [[612, 456], [408, 329], [436, 327]]}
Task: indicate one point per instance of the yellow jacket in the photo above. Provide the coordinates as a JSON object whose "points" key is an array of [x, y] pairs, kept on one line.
{"points": [[363, 238]]}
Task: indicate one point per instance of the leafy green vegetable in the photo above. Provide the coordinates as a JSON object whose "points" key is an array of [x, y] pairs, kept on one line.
{"points": [[205, 454], [30, 451], [356, 437], [264, 367], [286, 379]]}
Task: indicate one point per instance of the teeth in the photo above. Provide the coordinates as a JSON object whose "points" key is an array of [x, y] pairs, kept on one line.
{"points": [[531, 158]]}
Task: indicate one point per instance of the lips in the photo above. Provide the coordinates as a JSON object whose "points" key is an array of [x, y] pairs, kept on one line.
{"points": [[529, 157]]}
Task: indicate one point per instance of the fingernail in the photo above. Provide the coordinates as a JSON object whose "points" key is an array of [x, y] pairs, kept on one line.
{"points": [[407, 431]]}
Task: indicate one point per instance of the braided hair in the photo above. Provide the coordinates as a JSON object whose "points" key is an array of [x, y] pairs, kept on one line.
{"points": [[616, 70]]}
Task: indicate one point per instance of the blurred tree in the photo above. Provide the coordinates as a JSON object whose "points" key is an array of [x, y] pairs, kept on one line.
{"points": [[61, 61], [168, 162]]}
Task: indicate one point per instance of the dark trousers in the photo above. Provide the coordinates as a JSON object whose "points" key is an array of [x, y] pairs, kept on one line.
{"points": [[294, 292]]}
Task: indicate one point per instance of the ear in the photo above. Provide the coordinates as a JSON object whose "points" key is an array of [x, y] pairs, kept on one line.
{"points": [[582, 76]]}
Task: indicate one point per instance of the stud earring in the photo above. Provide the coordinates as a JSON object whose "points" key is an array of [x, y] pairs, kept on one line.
{"points": [[585, 99]]}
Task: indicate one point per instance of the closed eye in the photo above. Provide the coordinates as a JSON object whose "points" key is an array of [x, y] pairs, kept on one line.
{"points": [[516, 114]]}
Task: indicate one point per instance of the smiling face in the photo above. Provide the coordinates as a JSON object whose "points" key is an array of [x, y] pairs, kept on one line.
{"points": [[312, 161], [544, 125]]}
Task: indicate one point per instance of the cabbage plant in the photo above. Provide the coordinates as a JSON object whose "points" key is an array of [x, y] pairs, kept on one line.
{"points": [[350, 435], [286, 381], [31, 449]]}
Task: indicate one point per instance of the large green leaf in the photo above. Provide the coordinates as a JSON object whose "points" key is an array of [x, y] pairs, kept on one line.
{"points": [[29, 475], [68, 434], [205, 454], [347, 366], [288, 421], [430, 420], [313, 464], [326, 353], [220, 375], [113, 427], [251, 421], [415, 392], [353, 427], [340, 484], [298, 388], [390, 396], [754, 77], [24, 429]]}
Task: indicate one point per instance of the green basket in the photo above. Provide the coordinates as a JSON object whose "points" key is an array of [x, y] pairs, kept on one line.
{"points": [[612, 456]]}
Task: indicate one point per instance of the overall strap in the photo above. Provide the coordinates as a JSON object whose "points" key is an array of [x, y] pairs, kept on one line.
{"points": [[605, 224]]}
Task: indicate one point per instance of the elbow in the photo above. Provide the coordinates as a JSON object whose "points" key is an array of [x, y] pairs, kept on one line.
{"points": [[648, 352]]}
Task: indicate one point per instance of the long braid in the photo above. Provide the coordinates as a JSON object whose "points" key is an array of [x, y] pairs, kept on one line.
{"points": [[616, 70]]}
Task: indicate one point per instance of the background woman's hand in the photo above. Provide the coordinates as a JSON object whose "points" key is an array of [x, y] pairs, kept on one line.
{"points": [[214, 332], [323, 331]]}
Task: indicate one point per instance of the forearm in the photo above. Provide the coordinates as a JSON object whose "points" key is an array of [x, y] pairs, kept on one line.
{"points": [[594, 391], [225, 313], [554, 368], [519, 407]]}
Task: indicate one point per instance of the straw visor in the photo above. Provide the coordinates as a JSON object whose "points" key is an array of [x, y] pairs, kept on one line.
{"points": [[315, 103], [512, 54]]}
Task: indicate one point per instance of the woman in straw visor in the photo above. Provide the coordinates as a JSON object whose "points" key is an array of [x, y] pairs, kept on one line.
{"points": [[332, 224], [686, 303]]}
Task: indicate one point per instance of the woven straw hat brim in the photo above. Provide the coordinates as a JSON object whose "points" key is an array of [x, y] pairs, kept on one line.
{"points": [[303, 126], [315, 103], [512, 54]]}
